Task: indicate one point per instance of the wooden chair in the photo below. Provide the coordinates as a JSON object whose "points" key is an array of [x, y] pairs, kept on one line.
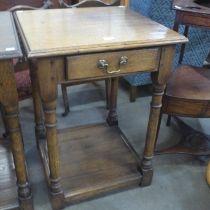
{"points": [[187, 93], [86, 3]]}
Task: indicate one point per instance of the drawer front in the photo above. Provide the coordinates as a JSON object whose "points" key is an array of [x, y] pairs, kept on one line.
{"points": [[195, 20], [101, 65]]}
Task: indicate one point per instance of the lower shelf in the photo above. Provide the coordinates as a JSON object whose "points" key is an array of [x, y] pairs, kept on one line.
{"points": [[95, 159], [8, 188]]}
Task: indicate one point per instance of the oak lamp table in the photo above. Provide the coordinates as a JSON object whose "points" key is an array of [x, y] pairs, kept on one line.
{"points": [[14, 186], [79, 44]]}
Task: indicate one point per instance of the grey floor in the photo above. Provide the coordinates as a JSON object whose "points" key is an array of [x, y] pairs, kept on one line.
{"points": [[178, 182]]}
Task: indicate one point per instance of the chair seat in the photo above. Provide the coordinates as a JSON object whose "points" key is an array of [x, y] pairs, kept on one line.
{"points": [[187, 92], [189, 82]]}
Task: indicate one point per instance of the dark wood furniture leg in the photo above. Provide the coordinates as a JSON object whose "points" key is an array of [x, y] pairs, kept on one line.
{"points": [[159, 81], [186, 30], [38, 112], [133, 90], [9, 101], [65, 99], [47, 81], [108, 91], [64, 87], [112, 115], [6, 133]]}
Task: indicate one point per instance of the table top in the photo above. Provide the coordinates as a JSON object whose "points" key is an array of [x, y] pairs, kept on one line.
{"points": [[81, 30], [198, 6], [9, 44]]}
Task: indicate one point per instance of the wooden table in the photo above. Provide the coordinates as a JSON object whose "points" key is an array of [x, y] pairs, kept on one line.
{"points": [[79, 44], [13, 172]]}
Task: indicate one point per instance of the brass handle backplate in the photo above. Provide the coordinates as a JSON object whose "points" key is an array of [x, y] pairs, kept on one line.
{"points": [[103, 64], [123, 60]]}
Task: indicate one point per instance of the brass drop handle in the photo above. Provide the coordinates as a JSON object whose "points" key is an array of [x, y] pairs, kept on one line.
{"points": [[113, 71], [103, 64]]}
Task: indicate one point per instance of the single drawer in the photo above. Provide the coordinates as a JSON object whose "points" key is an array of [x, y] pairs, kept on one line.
{"points": [[101, 65]]}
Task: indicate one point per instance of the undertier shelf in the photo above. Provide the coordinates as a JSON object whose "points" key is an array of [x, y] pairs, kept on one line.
{"points": [[8, 188], [95, 159]]}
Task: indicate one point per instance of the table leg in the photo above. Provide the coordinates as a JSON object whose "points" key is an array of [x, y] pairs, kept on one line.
{"points": [[5, 135], [9, 102], [48, 91], [159, 79], [38, 112], [112, 115]]}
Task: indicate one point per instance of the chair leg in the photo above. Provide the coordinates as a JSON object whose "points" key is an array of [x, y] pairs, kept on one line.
{"points": [[65, 100], [6, 133], [108, 89], [158, 129], [186, 30], [168, 122], [133, 90]]}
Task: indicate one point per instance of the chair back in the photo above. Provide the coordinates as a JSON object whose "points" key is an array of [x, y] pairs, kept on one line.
{"points": [[14, 5], [91, 3]]}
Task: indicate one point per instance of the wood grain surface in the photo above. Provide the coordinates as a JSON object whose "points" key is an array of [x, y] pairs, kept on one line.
{"points": [[189, 82], [94, 160], [85, 66], [9, 44], [73, 31]]}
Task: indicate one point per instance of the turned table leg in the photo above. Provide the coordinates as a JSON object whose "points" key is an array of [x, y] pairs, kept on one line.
{"points": [[152, 128], [112, 114], [9, 102], [48, 91], [38, 112], [159, 80], [24, 191]]}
